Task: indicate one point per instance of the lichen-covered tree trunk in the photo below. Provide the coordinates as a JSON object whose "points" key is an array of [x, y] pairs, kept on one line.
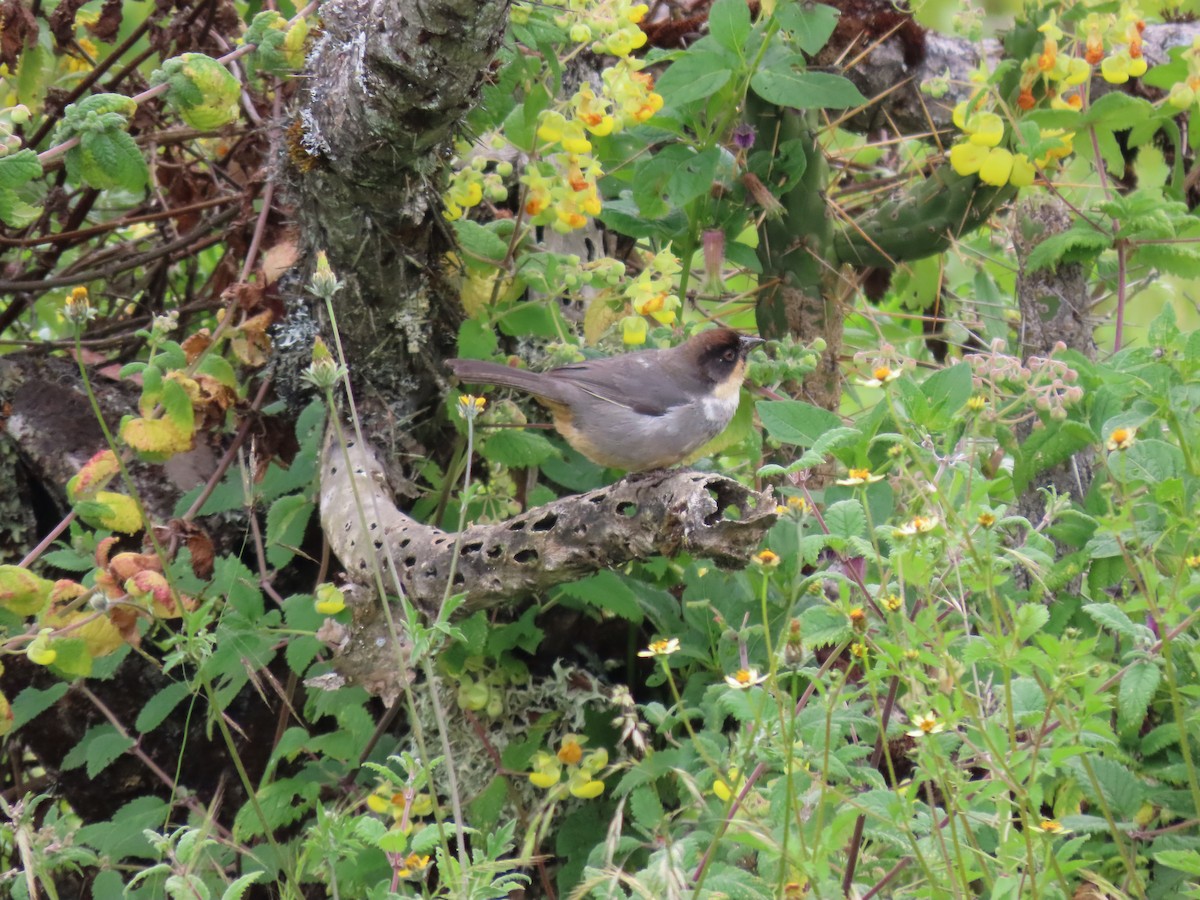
{"points": [[388, 83]]}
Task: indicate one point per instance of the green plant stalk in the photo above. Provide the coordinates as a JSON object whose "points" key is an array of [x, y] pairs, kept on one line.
{"points": [[1177, 704], [418, 731]]}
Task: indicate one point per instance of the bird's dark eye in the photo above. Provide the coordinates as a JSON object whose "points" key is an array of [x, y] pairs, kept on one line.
{"points": [[729, 356]]}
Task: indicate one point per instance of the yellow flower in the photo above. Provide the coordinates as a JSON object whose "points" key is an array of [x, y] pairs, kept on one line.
{"points": [[977, 403], [1192, 562], [1121, 439], [570, 751], [39, 651], [470, 405], [917, 525], [767, 559], [633, 330], [893, 603], [414, 865], [927, 723], [1052, 826], [744, 678], [881, 375], [583, 786], [329, 600], [859, 476], [546, 770], [997, 167], [664, 647], [986, 520], [966, 158], [726, 789]]}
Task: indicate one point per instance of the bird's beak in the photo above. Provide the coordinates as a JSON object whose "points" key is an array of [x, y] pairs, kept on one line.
{"points": [[749, 342]]}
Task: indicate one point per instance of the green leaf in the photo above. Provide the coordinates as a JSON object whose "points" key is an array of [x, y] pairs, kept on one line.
{"points": [[177, 406], [287, 520], [282, 803], [607, 591], [1182, 860], [158, 707], [846, 519], [1109, 616], [1082, 242], [694, 76], [32, 702], [1120, 787], [785, 86], [1152, 461], [476, 340], [517, 448], [647, 809], [729, 24], [1029, 619], [811, 26], [20, 168], [1136, 690], [796, 422], [73, 659], [107, 159], [1028, 701], [200, 89], [98, 748], [237, 889], [948, 390], [1182, 259], [1047, 447], [480, 242], [486, 807]]}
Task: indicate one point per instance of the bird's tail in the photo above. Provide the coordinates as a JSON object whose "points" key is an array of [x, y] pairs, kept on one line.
{"points": [[477, 371]]}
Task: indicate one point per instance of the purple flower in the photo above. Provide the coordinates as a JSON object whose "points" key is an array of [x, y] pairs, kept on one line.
{"points": [[743, 136]]}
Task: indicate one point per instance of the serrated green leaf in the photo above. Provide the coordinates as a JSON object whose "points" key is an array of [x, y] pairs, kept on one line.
{"points": [[1181, 860], [287, 520], [1106, 615], [1152, 461], [846, 519], [32, 702], [73, 659], [1029, 619], [177, 406], [1079, 243], [646, 808], [200, 89], [517, 448], [607, 591], [1136, 690], [108, 159], [784, 85], [158, 707], [1047, 447], [480, 242], [20, 168], [219, 369], [237, 888], [1028, 701], [282, 803], [104, 749]]}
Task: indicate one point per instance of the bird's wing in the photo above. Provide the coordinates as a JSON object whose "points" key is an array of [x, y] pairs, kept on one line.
{"points": [[631, 382]]}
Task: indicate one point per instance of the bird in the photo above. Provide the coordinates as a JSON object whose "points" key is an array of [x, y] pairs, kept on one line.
{"points": [[637, 411]]}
